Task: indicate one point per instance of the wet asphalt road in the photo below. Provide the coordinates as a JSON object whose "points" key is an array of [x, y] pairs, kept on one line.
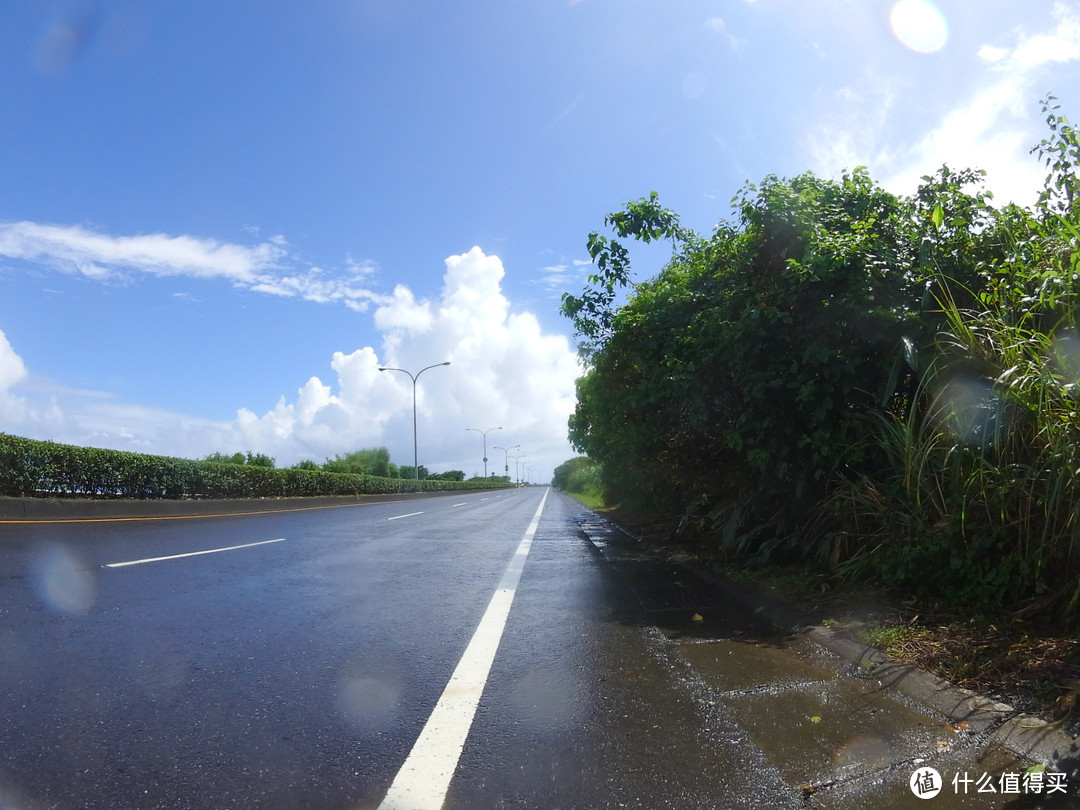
{"points": [[299, 673]]}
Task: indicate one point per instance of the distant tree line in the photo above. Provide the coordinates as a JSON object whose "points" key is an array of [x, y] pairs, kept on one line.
{"points": [[373, 461]]}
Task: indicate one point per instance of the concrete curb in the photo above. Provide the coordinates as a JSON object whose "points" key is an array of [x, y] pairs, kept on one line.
{"points": [[992, 722], [1022, 734]]}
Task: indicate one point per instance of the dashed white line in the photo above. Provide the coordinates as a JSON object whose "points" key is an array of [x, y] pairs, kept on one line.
{"points": [[399, 517], [191, 554], [456, 505], [423, 780]]}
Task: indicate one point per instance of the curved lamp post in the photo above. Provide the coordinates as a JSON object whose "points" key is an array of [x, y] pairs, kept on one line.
{"points": [[484, 433], [517, 467], [413, 377], [506, 457]]}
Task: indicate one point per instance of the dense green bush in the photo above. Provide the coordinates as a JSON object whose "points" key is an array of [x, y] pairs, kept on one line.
{"points": [[35, 468], [371, 461], [581, 474], [732, 383], [887, 386]]}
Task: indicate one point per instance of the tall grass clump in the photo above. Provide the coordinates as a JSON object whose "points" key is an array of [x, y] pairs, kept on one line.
{"points": [[978, 498]]}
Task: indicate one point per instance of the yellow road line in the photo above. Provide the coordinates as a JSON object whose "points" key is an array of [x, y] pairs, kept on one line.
{"points": [[7, 521]]}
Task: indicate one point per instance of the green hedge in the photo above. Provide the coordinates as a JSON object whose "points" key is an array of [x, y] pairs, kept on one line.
{"points": [[45, 469]]}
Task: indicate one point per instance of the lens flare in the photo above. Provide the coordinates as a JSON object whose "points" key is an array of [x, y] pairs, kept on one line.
{"points": [[1067, 356], [919, 25], [63, 580], [973, 410], [367, 701]]}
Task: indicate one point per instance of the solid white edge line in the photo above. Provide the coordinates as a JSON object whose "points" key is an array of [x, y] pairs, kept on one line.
{"points": [[423, 780], [191, 554], [399, 517]]}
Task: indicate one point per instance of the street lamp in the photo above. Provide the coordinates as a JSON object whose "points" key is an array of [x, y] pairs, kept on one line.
{"points": [[517, 469], [506, 458], [484, 433], [413, 377]]}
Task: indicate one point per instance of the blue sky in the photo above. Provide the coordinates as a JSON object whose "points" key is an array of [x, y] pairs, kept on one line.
{"points": [[219, 219]]}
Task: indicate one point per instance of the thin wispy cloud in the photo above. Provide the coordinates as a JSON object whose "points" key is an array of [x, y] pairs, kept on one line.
{"points": [[991, 128], [266, 267], [73, 248], [566, 276], [1032, 51], [564, 113], [996, 127], [718, 26]]}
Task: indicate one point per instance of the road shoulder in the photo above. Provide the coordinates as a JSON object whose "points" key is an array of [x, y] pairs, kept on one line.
{"points": [[881, 741]]}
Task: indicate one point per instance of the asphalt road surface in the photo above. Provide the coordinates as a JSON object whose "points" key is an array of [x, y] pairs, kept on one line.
{"points": [[463, 651]]}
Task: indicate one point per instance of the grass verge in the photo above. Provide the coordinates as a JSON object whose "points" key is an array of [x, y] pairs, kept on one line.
{"points": [[590, 498]]}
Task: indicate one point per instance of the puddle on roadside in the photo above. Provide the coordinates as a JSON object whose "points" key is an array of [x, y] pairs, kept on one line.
{"points": [[733, 664], [826, 730], [701, 620]]}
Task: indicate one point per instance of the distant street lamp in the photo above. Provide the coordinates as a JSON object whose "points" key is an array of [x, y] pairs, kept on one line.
{"points": [[413, 377], [484, 433], [517, 468], [506, 457]]}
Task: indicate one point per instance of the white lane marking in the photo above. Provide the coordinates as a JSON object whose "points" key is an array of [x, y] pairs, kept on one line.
{"points": [[399, 517], [423, 780], [191, 554], [456, 505]]}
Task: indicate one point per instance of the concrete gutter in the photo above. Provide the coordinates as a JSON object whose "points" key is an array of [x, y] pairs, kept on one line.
{"points": [[1022, 734]]}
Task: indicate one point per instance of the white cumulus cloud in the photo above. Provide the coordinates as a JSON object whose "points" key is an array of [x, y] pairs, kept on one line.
{"points": [[12, 368], [504, 371]]}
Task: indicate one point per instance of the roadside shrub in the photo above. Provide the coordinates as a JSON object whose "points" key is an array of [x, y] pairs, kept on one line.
{"points": [[46, 469], [888, 387], [731, 385]]}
